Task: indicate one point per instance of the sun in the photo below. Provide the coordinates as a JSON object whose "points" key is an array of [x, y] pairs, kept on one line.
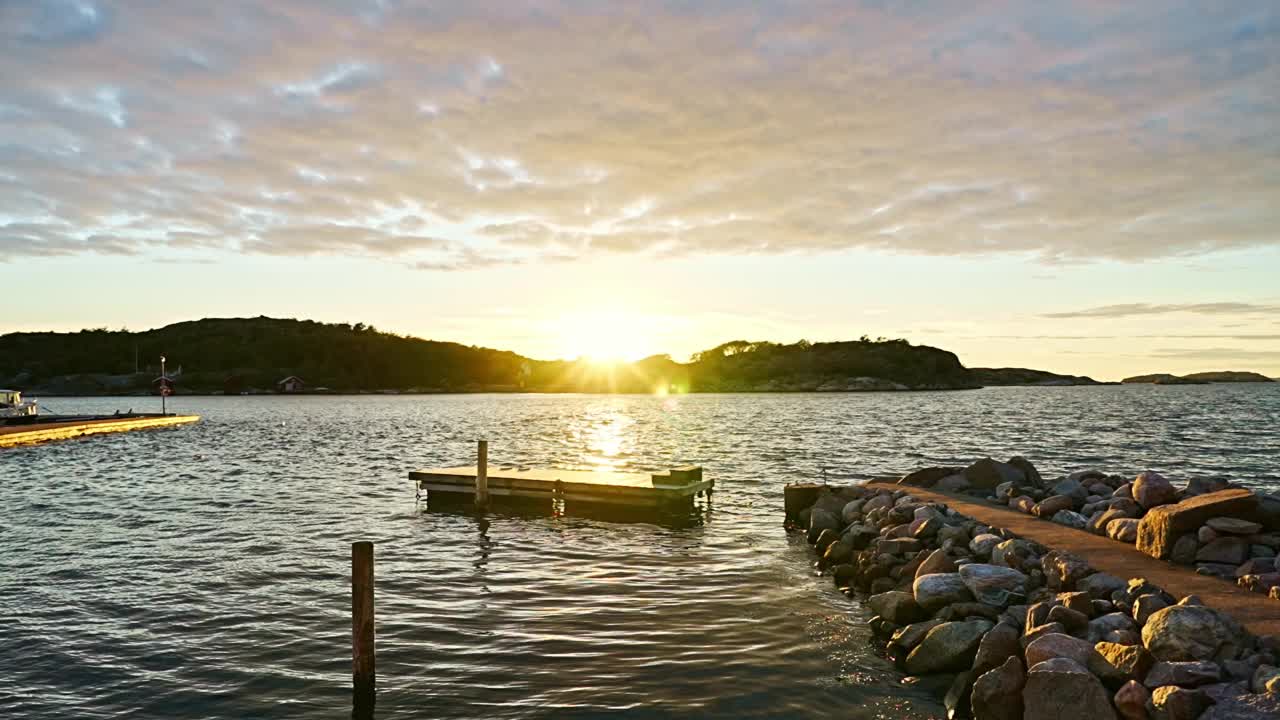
{"points": [[605, 336]]}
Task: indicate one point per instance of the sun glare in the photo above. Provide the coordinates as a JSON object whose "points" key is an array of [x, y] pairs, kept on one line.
{"points": [[605, 337]]}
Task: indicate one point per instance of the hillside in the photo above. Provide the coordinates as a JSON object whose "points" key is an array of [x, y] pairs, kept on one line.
{"points": [[1229, 376], [1162, 379], [253, 354], [992, 377]]}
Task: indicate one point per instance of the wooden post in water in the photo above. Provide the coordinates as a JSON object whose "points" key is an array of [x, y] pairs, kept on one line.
{"points": [[362, 673], [482, 475]]}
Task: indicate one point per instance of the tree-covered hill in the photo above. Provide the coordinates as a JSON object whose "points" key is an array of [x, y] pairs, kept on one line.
{"points": [[252, 354]]}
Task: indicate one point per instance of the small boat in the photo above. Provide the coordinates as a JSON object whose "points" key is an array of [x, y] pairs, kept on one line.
{"points": [[13, 406]]}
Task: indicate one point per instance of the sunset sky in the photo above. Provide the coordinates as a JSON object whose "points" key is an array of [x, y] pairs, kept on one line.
{"points": [[1080, 186]]}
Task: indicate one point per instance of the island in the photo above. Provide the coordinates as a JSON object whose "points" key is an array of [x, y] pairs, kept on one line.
{"points": [[993, 377], [1200, 378]]}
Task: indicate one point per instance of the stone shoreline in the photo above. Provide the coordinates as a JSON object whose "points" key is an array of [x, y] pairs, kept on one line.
{"points": [[1019, 630]]}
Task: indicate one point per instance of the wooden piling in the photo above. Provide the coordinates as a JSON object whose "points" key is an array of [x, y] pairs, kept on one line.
{"points": [[482, 475], [362, 671]]}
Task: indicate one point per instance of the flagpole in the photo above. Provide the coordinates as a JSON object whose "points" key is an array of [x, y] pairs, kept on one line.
{"points": [[164, 388]]}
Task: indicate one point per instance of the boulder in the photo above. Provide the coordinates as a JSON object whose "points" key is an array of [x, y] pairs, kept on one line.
{"points": [[1206, 534], [1233, 526], [1071, 519], [1074, 621], [986, 473], [1130, 661], [957, 698], [1101, 626], [1233, 701], [1185, 674], [1146, 606], [1125, 530], [994, 584], [1100, 585], [1174, 703], [982, 545], [1072, 488], [1011, 553], [905, 639], [1228, 550], [1028, 470], [820, 520], [949, 647], [1161, 526], [999, 644], [937, 590], [1061, 689], [1131, 701], [1098, 523], [936, 562], [1063, 570], [825, 539], [1023, 504], [1151, 489], [1191, 632], [837, 552], [852, 511], [1124, 491], [1050, 506], [997, 693], [927, 477], [1265, 679], [883, 501], [952, 483], [896, 606], [1184, 549], [1200, 486]]}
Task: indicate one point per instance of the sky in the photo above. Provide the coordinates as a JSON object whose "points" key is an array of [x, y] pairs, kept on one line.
{"points": [[1081, 186]]}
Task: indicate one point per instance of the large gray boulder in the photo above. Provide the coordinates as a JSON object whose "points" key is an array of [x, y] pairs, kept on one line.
{"points": [[949, 647], [1187, 674], [997, 693], [938, 590], [1192, 632], [1162, 526], [1175, 703], [994, 584], [999, 644], [1062, 689], [820, 520], [936, 562]]}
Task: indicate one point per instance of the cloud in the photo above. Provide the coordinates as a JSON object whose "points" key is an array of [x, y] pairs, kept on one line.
{"points": [[1137, 309], [1219, 354], [1066, 132]]}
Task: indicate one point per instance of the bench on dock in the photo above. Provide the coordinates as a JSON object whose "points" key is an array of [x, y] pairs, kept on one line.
{"points": [[673, 489]]}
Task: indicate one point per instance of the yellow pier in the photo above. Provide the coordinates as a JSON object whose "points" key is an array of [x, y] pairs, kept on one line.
{"points": [[15, 435]]}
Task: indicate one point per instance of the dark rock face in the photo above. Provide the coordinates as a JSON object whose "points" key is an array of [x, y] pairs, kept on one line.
{"points": [[1028, 470], [936, 591], [986, 473], [1186, 674], [998, 645], [928, 477], [1131, 701], [1235, 702], [936, 562], [1228, 550], [820, 520], [1062, 689], [1190, 632], [993, 584], [997, 693], [957, 700]]}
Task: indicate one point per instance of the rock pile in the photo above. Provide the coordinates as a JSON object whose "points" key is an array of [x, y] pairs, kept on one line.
{"points": [[1223, 530], [1025, 631]]}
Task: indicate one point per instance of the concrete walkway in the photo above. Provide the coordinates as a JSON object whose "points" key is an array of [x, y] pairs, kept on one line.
{"points": [[1258, 613]]}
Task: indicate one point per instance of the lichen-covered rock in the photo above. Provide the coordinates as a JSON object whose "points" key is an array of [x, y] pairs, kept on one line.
{"points": [[1062, 689], [1189, 632], [1162, 526], [937, 590], [1131, 701], [897, 607], [994, 584], [949, 647], [997, 693], [1186, 674]]}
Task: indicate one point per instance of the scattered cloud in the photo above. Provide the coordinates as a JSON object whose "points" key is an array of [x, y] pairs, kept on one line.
{"points": [[1069, 132], [1137, 309], [1220, 354]]}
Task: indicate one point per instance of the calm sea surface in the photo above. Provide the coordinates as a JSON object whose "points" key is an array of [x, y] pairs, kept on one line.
{"points": [[203, 572]]}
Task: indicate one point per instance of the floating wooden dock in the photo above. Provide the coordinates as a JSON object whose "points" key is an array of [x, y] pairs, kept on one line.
{"points": [[41, 432], [674, 489]]}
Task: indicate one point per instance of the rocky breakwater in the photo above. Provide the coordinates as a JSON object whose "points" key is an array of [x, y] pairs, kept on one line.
{"points": [[1012, 629], [1222, 529]]}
